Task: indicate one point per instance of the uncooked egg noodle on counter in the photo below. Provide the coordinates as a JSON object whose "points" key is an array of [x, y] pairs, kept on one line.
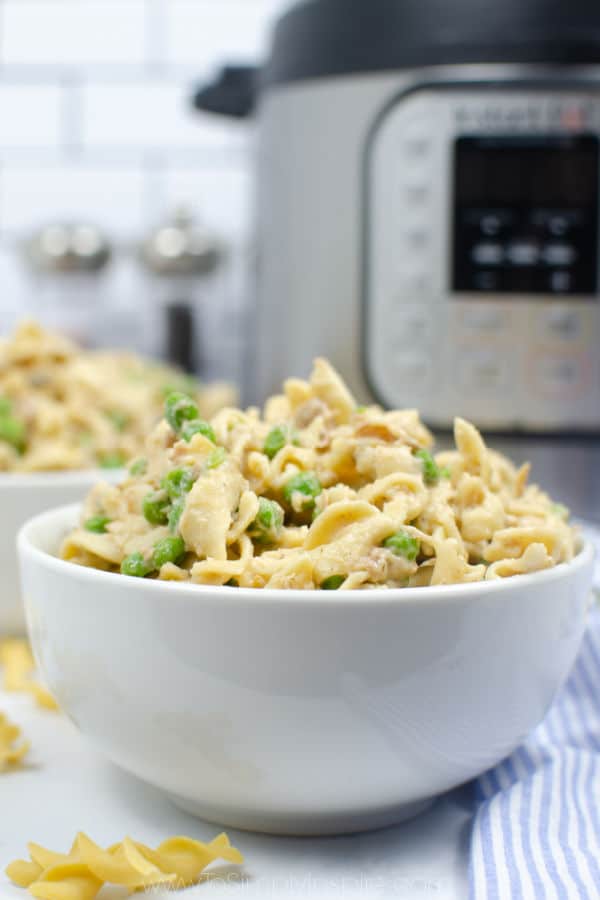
{"points": [[17, 670], [62, 407], [13, 748], [318, 492], [81, 873]]}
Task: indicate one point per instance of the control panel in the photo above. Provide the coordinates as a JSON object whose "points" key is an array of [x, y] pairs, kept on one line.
{"points": [[482, 262], [525, 214]]}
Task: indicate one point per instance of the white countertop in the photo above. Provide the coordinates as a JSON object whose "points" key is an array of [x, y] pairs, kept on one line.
{"points": [[67, 787]]}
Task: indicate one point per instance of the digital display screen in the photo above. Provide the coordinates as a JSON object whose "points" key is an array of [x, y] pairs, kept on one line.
{"points": [[526, 214]]}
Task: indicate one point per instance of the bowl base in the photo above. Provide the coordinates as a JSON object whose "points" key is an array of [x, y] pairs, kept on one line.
{"points": [[303, 824]]}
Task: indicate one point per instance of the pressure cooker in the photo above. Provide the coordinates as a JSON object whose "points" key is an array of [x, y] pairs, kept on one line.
{"points": [[427, 206]]}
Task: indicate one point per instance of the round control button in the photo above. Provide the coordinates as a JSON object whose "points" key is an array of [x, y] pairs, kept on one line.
{"points": [[561, 374], [416, 137], [412, 285], [485, 318], [411, 326], [416, 146], [410, 369], [482, 370], [416, 237], [564, 324], [415, 194]]}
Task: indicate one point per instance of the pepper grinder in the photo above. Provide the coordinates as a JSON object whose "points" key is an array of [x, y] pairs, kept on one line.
{"points": [[67, 261], [182, 253]]}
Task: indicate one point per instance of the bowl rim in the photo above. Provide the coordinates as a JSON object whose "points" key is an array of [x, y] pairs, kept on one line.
{"points": [[59, 477], [56, 518]]}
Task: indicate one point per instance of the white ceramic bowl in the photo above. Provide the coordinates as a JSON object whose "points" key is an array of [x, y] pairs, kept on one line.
{"points": [[299, 712], [21, 497]]}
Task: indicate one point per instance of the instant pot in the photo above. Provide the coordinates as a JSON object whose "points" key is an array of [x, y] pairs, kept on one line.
{"points": [[428, 213]]}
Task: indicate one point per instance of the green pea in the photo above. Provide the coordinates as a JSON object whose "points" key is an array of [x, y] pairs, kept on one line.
{"points": [[86, 438], [138, 466], [175, 514], [5, 406], [268, 523], [333, 582], [112, 460], [135, 565], [360, 409], [305, 483], [402, 544], [277, 439], [12, 431], [179, 408], [178, 482], [120, 420], [216, 458], [197, 426], [155, 507], [445, 472], [168, 550], [184, 384], [97, 524], [431, 472]]}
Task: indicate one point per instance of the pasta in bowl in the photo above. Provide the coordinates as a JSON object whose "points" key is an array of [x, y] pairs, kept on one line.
{"points": [[68, 419], [318, 493], [64, 408], [303, 621]]}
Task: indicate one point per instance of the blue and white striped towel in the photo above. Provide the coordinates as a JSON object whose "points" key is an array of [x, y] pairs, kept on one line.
{"points": [[536, 830]]}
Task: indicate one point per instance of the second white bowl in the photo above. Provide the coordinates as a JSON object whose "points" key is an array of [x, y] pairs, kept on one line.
{"points": [[21, 497]]}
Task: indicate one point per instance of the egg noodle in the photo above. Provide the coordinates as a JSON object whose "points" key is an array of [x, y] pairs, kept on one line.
{"points": [[12, 748], [17, 668], [81, 873], [318, 492], [65, 408]]}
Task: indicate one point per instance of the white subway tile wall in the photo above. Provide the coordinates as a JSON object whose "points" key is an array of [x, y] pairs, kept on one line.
{"points": [[109, 196], [244, 40], [97, 125], [149, 114], [30, 116], [73, 32]]}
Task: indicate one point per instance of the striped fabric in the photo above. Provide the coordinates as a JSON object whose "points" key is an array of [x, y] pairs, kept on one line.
{"points": [[536, 830]]}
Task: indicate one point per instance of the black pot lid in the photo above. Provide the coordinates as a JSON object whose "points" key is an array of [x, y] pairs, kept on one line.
{"points": [[324, 38]]}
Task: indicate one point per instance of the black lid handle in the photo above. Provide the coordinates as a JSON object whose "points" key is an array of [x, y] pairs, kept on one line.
{"points": [[232, 93]]}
